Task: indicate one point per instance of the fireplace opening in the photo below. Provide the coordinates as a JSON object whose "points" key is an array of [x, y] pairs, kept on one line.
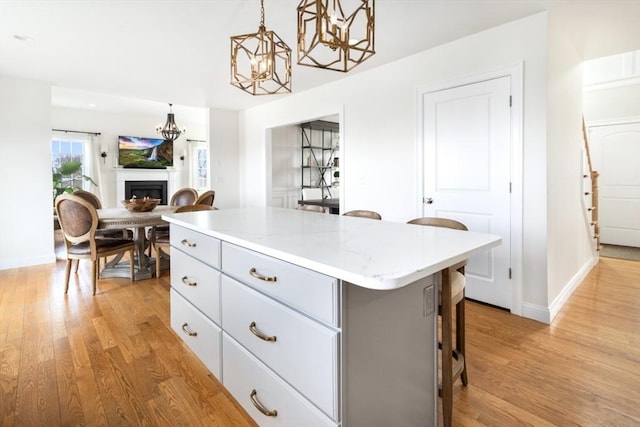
{"points": [[141, 189]]}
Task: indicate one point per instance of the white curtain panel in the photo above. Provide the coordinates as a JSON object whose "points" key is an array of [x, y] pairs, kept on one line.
{"points": [[93, 163]]}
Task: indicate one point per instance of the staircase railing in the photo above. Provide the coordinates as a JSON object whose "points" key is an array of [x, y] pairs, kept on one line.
{"points": [[592, 209]]}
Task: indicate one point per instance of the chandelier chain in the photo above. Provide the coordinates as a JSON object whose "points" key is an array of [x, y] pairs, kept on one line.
{"points": [[261, 13]]}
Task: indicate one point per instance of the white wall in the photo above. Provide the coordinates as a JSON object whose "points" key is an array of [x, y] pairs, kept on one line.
{"points": [[571, 252], [225, 166], [111, 125], [378, 116], [26, 217], [612, 89]]}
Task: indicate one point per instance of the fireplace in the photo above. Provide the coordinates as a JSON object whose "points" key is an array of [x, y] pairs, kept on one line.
{"points": [[152, 189], [124, 175]]}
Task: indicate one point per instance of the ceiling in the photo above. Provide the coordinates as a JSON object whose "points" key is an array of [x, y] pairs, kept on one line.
{"points": [[126, 55]]}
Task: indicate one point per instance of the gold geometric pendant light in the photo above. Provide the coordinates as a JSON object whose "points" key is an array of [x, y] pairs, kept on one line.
{"points": [[260, 62], [329, 39]]}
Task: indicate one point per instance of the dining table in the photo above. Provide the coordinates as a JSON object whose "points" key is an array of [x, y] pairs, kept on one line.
{"points": [[122, 218]]}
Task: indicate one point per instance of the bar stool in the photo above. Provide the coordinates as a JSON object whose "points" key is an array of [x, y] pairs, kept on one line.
{"points": [[363, 214], [451, 294]]}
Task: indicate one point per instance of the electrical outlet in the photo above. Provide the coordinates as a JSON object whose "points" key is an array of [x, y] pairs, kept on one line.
{"points": [[429, 300]]}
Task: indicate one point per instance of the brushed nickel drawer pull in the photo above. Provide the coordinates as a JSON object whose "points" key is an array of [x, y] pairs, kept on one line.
{"points": [[259, 407], [257, 275], [254, 331], [186, 281], [187, 330], [188, 244]]}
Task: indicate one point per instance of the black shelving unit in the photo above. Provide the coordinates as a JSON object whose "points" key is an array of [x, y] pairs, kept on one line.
{"points": [[319, 141]]}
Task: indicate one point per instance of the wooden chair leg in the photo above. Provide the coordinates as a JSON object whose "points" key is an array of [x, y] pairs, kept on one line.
{"points": [[66, 275], [94, 275], [460, 338], [447, 363], [131, 264], [77, 265]]}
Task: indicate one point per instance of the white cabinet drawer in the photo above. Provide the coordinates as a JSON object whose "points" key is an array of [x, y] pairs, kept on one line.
{"points": [[198, 332], [197, 282], [198, 245], [302, 351], [244, 374], [308, 291]]}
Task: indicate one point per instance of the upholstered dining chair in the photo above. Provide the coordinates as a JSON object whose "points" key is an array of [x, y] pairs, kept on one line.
{"points": [[95, 201], [363, 214], [184, 196], [206, 198], [79, 222], [162, 241], [101, 234], [311, 208], [451, 295]]}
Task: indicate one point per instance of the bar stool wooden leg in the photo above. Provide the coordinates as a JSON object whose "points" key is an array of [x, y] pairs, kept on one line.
{"points": [[460, 339], [446, 388]]}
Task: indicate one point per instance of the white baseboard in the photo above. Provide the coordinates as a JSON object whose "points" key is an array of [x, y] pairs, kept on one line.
{"points": [[536, 312], [7, 264], [547, 314], [575, 281]]}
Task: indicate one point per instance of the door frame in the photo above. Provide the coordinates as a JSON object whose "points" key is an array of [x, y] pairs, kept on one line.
{"points": [[516, 74]]}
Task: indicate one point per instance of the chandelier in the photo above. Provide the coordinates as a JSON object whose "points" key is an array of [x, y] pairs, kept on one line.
{"points": [[260, 62], [329, 39], [170, 131]]}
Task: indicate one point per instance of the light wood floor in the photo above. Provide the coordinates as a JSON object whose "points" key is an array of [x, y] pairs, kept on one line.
{"points": [[113, 360]]}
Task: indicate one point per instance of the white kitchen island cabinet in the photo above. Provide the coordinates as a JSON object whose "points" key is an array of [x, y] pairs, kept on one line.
{"points": [[311, 319]]}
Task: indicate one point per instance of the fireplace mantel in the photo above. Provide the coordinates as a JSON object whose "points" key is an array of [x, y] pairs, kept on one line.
{"points": [[130, 174]]}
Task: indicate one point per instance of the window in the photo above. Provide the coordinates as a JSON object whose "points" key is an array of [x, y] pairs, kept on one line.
{"points": [[199, 165], [64, 151]]}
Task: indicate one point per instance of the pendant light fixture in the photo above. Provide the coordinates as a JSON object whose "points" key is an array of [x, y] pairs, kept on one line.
{"points": [[330, 39], [260, 62], [170, 131]]}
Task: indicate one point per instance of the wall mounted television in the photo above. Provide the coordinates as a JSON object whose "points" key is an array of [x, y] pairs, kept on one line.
{"points": [[144, 153]]}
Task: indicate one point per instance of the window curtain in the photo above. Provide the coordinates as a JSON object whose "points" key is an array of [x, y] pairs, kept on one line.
{"points": [[92, 156]]}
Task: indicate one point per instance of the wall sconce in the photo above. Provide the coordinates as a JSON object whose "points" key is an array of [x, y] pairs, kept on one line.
{"points": [[103, 154], [182, 156]]}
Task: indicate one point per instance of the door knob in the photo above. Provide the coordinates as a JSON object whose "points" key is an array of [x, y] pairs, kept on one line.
{"points": [[428, 200]]}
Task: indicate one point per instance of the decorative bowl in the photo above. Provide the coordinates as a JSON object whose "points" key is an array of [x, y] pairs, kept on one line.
{"points": [[141, 205]]}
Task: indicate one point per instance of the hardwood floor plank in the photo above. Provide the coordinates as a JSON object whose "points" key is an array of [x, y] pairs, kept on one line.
{"points": [[90, 400]]}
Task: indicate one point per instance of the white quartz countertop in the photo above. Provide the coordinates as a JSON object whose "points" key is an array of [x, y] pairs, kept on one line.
{"points": [[369, 253]]}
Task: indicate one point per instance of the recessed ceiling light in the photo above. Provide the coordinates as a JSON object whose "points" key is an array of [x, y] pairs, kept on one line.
{"points": [[23, 38]]}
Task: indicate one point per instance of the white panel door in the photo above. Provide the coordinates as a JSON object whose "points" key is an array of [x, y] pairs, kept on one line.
{"points": [[467, 135], [616, 156]]}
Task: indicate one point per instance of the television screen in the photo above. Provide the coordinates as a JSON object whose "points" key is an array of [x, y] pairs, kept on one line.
{"points": [[152, 153]]}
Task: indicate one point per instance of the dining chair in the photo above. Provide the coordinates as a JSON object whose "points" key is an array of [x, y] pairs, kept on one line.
{"points": [[184, 196], [206, 198], [79, 221], [95, 201], [363, 214], [452, 289], [101, 234], [311, 208], [162, 241]]}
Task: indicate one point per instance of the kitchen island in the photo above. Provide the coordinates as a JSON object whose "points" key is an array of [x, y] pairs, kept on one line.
{"points": [[312, 319]]}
